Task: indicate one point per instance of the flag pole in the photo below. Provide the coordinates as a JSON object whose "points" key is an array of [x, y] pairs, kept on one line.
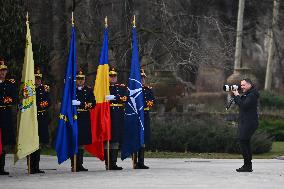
{"points": [[108, 142], [108, 156], [29, 156], [75, 156], [134, 156]]}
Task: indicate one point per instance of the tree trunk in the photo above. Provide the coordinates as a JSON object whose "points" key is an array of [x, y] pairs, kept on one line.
{"points": [[269, 68], [238, 52]]}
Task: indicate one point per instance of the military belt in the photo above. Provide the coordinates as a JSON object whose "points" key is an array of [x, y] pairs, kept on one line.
{"points": [[112, 104], [146, 109], [82, 110], [40, 111], [4, 107]]}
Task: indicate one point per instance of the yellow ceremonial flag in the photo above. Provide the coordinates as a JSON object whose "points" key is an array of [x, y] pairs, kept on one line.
{"points": [[27, 124]]}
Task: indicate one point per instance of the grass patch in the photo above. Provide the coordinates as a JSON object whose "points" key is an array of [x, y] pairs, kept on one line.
{"points": [[277, 150]]}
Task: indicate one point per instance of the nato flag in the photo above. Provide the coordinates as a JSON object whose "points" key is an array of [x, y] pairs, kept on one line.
{"points": [[67, 132], [133, 138]]}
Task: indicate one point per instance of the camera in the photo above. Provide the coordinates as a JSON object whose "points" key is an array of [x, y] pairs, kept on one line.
{"points": [[229, 88]]}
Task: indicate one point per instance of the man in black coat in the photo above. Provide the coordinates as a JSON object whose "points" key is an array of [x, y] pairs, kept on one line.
{"points": [[87, 101], [8, 97], [248, 120], [43, 103]]}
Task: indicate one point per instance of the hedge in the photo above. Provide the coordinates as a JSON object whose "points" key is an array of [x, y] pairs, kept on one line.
{"points": [[202, 134]]}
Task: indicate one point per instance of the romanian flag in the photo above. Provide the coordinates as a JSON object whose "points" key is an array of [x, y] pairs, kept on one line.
{"points": [[27, 125], [100, 115]]}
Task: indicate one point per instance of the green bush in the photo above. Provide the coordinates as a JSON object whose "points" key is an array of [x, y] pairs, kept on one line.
{"points": [[271, 100], [275, 128], [201, 134]]}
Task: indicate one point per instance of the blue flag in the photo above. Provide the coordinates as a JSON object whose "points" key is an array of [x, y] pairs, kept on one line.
{"points": [[133, 138], [67, 132]]}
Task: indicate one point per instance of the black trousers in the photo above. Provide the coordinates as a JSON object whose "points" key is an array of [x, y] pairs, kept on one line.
{"points": [[246, 151]]}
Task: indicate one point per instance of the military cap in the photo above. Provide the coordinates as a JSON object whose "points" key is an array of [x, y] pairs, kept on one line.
{"points": [[80, 75], [112, 71], [2, 64], [38, 73]]}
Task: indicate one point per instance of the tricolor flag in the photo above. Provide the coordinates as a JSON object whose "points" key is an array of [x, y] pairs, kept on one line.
{"points": [[27, 125], [67, 132], [133, 138], [100, 114]]}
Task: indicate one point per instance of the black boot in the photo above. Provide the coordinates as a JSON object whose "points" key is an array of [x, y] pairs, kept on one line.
{"points": [[140, 164], [2, 164], [134, 159], [247, 167], [113, 156], [72, 164], [80, 160], [37, 160], [31, 161]]}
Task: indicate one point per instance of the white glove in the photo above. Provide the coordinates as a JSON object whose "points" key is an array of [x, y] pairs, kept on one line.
{"points": [[76, 103], [110, 97]]}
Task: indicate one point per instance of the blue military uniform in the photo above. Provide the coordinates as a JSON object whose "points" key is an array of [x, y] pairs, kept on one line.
{"points": [[148, 104], [87, 100], [43, 103], [117, 111], [119, 92], [8, 98], [86, 96]]}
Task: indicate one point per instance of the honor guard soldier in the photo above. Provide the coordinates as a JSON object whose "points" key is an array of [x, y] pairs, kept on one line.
{"points": [[43, 104], [7, 100], [86, 100], [117, 97], [148, 104]]}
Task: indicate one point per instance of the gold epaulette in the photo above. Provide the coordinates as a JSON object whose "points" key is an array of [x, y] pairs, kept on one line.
{"points": [[12, 80], [147, 86], [46, 88]]}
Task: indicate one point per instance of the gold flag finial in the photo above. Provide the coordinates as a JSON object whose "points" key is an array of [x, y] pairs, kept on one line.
{"points": [[106, 22], [72, 19], [134, 21], [27, 16]]}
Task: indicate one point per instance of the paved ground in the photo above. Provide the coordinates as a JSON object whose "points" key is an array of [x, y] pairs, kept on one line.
{"points": [[164, 173]]}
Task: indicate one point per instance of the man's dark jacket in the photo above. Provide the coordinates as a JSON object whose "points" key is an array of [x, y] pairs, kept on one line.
{"points": [[248, 115]]}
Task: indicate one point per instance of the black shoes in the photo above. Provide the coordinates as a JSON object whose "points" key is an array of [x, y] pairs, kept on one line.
{"points": [[4, 173], [36, 171], [140, 166], [114, 167], [81, 168], [245, 168]]}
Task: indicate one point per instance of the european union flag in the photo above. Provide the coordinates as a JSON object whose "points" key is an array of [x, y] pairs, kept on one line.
{"points": [[134, 109], [67, 132]]}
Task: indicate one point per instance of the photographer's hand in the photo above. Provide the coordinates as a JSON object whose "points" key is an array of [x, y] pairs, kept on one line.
{"points": [[236, 92]]}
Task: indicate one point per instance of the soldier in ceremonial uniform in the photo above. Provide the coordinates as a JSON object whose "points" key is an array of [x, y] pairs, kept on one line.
{"points": [[118, 97], [43, 103], [8, 97], [148, 104], [87, 101]]}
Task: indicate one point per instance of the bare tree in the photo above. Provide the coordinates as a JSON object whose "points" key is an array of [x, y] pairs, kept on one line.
{"points": [[269, 68]]}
